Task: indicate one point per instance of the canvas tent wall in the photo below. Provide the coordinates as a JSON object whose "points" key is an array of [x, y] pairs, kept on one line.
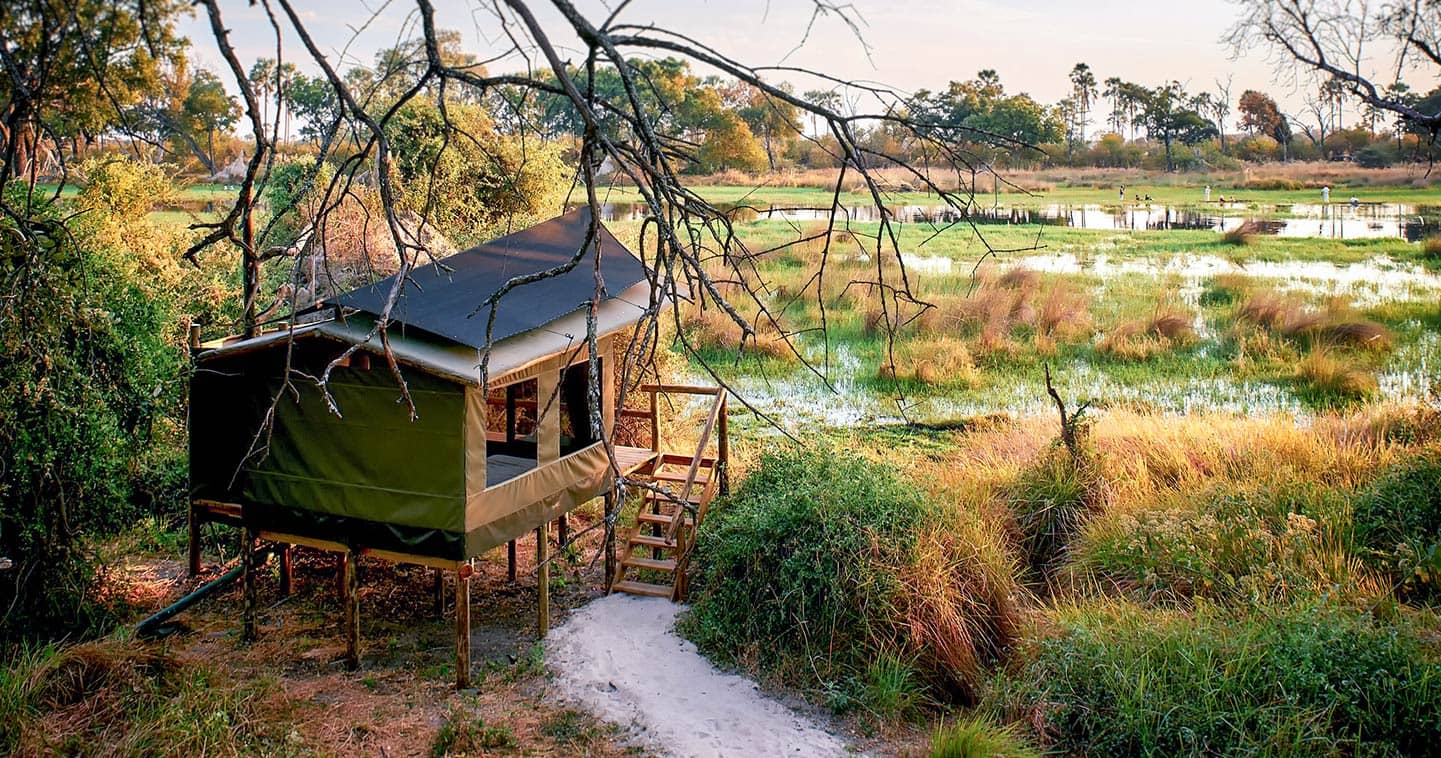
{"points": [[371, 476]]}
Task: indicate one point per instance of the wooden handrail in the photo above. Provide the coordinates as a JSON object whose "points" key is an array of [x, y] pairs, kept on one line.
{"points": [[681, 389], [690, 476]]}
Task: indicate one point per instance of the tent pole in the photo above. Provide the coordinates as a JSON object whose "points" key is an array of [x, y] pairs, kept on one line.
{"points": [[609, 537], [285, 572], [439, 592], [462, 626], [542, 578], [248, 560], [194, 542], [352, 611]]}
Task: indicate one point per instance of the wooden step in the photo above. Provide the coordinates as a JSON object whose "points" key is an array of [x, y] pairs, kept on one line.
{"points": [[634, 561], [642, 588], [655, 518], [649, 541], [666, 476], [655, 497]]}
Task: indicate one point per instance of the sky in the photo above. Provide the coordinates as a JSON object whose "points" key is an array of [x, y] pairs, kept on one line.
{"points": [[908, 44]]}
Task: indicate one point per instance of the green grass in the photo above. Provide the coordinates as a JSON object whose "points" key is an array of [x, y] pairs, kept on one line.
{"points": [[1299, 680]]}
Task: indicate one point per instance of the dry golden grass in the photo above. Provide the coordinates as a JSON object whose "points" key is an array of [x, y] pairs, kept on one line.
{"points": [[1431, 248], [942, 361], [1161, 332], [1336, 325], [714, 329], [1328, 375], [1242, 235]]}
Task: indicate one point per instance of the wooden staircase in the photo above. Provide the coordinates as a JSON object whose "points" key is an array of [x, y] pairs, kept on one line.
{"points": [[657, 550]]}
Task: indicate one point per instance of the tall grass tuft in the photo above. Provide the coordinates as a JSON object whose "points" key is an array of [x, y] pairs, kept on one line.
{"points": [[978, 737], [1163, 331], [1242, 235], [1327, 380], [940, 361]]}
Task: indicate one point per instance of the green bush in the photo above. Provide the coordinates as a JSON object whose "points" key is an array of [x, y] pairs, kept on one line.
{"points": [[1308, 680], [828, 572], [791, 567], [1398, 518], [1051, 500], [91, 385]]}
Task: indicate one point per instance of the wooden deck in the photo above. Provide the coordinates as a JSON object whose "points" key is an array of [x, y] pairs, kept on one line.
{"points": [[634, 459]]}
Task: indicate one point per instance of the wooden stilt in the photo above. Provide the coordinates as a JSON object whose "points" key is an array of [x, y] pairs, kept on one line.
{"points": [[510, 557], [562, 531], [340, 586], [252, 600], [462, 626], [351, 575], [285, 572], [542, 578], [609, 538], [194, 542], [439, 592]]}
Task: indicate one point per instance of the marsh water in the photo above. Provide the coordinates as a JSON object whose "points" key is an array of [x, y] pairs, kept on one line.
{"points": [[1334, 220]]}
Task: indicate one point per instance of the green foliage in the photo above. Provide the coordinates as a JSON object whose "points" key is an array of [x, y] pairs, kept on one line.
{"points": [[472, 182], [1236, 543], [90, 393], [1305, 680], [1398, 518], [792, 570], [977, 737]]}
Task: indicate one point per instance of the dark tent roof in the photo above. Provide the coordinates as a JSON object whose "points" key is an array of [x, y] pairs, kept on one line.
{"points": [[441, 301]]}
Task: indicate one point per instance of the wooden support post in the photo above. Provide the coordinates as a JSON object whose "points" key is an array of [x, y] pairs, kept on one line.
{"points": [[351, 573], [609, 538], [462, 626], [194, 542], [340, 585], [542, 579], [562, 532], [510, 559], [285, 572], [439, 592], [252, 600], [722, 467]]}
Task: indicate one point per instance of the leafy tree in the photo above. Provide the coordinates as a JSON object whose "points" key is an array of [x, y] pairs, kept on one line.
{"points": [[209, 109], [1169, 119], [1261, 116]]}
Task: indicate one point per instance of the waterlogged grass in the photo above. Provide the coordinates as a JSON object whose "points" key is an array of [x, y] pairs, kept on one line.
{"points": [[762, 196], [1154, 319]]}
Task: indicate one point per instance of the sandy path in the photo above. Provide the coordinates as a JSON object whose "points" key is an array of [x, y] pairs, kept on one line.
{"points": [[620, 658]]}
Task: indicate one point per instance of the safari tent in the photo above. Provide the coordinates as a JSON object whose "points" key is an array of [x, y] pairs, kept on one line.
{"points": [[476, 466]]}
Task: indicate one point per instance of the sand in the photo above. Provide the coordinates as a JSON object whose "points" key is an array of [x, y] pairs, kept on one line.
{"points": [[620, 658]]}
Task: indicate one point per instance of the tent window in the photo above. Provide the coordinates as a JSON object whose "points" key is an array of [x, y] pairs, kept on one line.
{"points": [[510, 421], [575, 432]]}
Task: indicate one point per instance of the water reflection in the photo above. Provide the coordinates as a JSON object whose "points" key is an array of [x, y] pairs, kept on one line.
{"points": [[1334, 221]]}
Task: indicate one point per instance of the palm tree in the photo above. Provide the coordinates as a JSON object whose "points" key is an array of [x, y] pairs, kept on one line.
{"points": [[1113, 92], [1083, 92]]}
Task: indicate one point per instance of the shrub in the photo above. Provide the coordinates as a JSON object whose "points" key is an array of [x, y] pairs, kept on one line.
{"points": [[90, 420], [1306, 680], [823, 566], [1431, 248], [1224, 289]]}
